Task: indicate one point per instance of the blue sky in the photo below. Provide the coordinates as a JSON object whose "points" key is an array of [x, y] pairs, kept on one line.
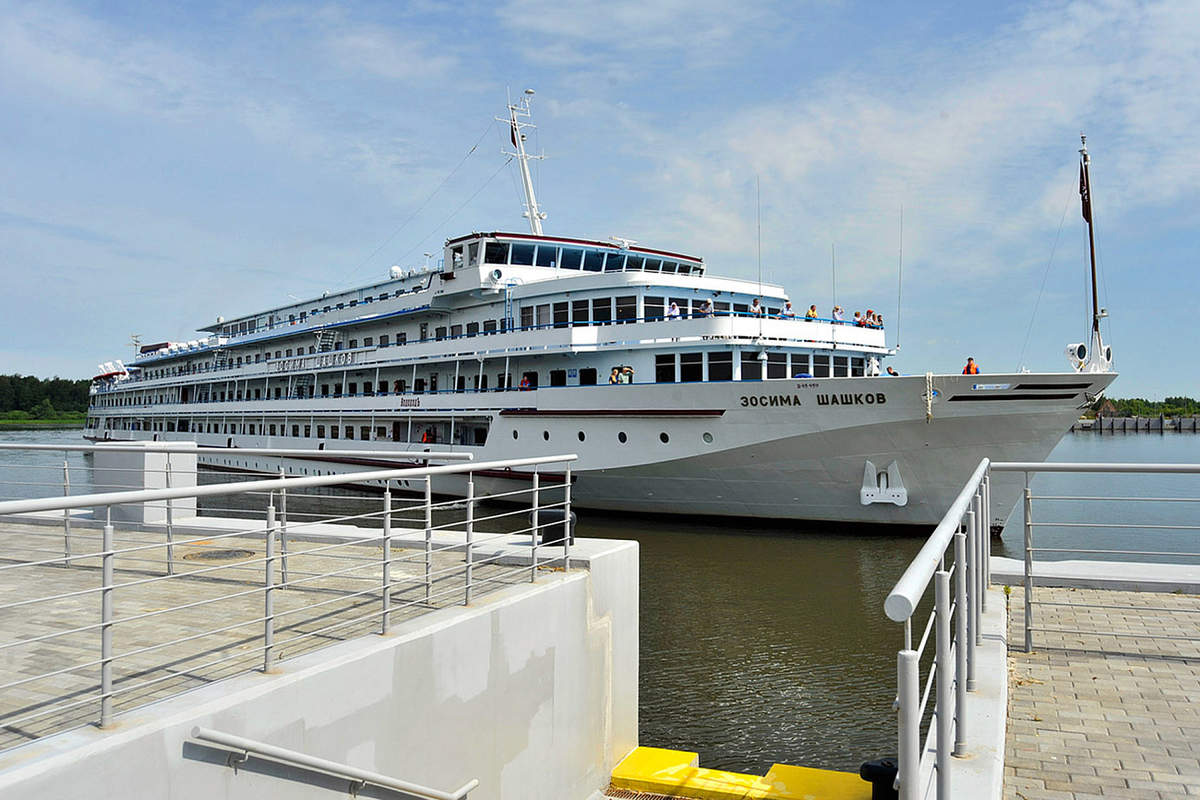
{"points": [[163, 164]]}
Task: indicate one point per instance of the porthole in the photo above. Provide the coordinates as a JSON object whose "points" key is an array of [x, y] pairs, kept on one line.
{"points": [[707, 438], [514, 434], [546, 435], [662, 437], [622, 438], [582, 436]]}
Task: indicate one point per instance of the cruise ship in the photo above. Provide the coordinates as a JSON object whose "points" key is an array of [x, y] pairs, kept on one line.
{"points": [[681, 392]]}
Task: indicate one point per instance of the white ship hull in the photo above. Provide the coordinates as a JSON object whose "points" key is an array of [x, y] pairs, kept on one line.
{"points": [[793, 449]]}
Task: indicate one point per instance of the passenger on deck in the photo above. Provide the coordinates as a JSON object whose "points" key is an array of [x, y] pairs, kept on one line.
{"points": [[892, 372], [627, 375], [756, 308], [859, 320], [615, 377], [971, 368], [812, 312], [788, 312], [673, 311], [707, 310], [839, 316]]}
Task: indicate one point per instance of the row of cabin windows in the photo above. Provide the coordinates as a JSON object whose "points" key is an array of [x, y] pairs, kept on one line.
{"points": [[546, 255], [689, 367]]}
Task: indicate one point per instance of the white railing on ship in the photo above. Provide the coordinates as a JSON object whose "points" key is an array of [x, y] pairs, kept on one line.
{"points": [[963, 532], [149, 563]]}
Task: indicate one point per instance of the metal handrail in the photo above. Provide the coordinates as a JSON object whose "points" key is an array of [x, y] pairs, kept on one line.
{"points": [[248, 746], [952, 674]]}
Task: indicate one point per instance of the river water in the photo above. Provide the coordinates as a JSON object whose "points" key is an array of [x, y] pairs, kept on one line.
{"points": [[761, 646]]}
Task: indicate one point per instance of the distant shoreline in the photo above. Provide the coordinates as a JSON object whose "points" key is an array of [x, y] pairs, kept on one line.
{"points": [[39, 424]]}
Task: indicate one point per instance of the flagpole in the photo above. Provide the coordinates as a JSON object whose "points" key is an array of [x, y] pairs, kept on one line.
{"points": [[1085, 190]]}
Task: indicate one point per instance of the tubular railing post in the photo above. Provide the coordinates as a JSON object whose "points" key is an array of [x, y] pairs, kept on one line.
{"points": [[268, 593], [66, 516], [945, 675], [966, 614], [987, 522], [975, 588], [963, 667], [170, 521], [908, 704], [1028, 567], [428, 539], [283, 543], [568, 530], [470, 554], [387, 558], [106, 621], [533, 562]]}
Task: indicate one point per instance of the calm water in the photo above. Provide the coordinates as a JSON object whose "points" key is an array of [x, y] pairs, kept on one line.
{"points": [[759, 647]]}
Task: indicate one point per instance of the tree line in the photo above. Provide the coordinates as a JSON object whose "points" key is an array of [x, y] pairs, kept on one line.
{"points": [[1138, 407], [27, 397]]}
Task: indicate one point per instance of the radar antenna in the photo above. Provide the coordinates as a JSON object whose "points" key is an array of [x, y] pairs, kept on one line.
{"points": [[515, 110]]}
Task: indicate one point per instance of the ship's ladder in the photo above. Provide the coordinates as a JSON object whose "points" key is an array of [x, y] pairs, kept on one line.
{"points": [[326, 339]]}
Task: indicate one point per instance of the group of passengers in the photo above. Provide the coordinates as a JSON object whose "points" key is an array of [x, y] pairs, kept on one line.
{"points": [[756, 309]]}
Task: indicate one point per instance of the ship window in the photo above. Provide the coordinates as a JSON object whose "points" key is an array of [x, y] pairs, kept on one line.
{"points": [[312, 349], [751, 366], [562, 315], [303, 316], [401, 337], [503, 380], [558, 377], [489, 326], [820, 366], [383, 295], [720, 366], [455, 331], [400, 386], [258, 357], [543, 314], [515, 434], [800, 365], [320, 431], [653, 265], [522, 255], [337, 390], [364, 433], [353, 390], [456, 257], [615, 262], [419, 386], [664, 368], [581, 436], [472, 254], [571, 259], [278, 392], [634, 262], [579, 312], [683, 306], [593, 261], [622, 438], [368, 341], [278, 353], [587, 376], [777, 365], [349, 431], [496, 253], [627, 309], [669, 266], [841, 367], [440, 332], [721, 307], [337, 345], [740, 309], [472, 329], [662, 437], [460, 383], [654, 307], [433, 382], [530, 379], [857, 367], [547, 255], [384, 340], [258, 394], [691, 367], [341, 306], [333, 432], [353, 303], [602, 310], [527, 317], [353, 343], [382, 388], [546, 435]]}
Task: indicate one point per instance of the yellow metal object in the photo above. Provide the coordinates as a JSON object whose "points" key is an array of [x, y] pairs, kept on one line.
{"points": [[677, 773]]}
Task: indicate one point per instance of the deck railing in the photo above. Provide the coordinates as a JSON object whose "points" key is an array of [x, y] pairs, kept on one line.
{"points": [[102, 621]]}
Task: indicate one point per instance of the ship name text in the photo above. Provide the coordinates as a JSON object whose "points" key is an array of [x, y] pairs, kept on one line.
{"points": [[855, 399], [766, 400]]}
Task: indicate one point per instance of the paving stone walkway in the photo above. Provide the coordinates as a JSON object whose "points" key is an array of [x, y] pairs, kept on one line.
{"points": [[1109, 711], [204, 624]]}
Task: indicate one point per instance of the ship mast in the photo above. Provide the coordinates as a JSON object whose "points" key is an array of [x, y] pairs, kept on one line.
{"points": [[1085, 195], [515, 110]]}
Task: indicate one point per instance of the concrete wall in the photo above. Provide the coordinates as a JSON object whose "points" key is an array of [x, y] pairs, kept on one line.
{"points": [[532, 691], [125, 471]]}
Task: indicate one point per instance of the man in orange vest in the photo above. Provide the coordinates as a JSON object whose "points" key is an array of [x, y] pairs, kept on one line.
{"points": [[971, 368]]}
